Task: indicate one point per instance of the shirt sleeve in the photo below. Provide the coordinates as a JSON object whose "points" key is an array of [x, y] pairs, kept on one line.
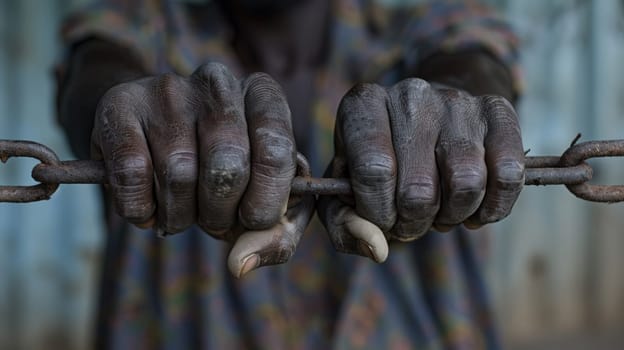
{"points": [[450, 26], [138, 25]]}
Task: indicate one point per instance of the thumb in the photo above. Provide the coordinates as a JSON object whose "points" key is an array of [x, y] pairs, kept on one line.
{"points": [[271, 246], [349, 232]]}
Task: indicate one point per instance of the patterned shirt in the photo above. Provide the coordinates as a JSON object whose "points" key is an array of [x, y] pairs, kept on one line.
{"points": [[176, 293]]}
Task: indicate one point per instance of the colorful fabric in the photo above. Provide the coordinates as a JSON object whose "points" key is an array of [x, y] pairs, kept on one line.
{"points": [[176, 293]]}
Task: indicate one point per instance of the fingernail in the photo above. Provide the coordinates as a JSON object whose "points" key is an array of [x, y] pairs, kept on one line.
{"points": [[472, 225], [371, 240], [366, 250], [442, 228], [249, 263], [149, 223]]}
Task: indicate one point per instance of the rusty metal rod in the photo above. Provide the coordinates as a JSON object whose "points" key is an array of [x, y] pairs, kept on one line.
{"points": [[93, 172], [570, 170], [578, 153]]}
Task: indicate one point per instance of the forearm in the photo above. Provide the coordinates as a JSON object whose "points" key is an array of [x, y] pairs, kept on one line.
{"points": [[476, 72], [94, 66]]}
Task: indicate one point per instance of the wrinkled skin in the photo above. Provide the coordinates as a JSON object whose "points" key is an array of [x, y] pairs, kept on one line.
{"points": [[417, 155], [219, 151], [207, 149], [420, 156]]}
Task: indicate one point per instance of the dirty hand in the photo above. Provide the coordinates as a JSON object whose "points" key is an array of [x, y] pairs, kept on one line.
{"points": [[419, 156], [207, 149]]}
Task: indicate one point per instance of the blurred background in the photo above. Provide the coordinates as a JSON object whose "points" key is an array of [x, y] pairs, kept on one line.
{"points": [[554, 266]]}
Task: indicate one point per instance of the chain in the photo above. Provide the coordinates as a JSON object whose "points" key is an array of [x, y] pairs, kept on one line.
{"points": [[570, 169]]}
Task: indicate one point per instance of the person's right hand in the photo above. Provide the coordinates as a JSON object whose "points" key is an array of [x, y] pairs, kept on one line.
{"points": [[207, 149]]}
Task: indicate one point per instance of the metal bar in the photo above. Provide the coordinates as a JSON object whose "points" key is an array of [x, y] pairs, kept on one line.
{"points": [[569, 169], [71, 172], [24, 194], [93, 172], [594, 149]]}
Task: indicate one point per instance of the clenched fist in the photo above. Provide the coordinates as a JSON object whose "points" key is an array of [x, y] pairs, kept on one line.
{"points": [[206, 149], [418, 156]]}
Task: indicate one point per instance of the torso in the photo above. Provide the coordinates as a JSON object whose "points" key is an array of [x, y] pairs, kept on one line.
{"points": [[291, 52]]}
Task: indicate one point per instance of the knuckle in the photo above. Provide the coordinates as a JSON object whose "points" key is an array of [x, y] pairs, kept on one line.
{"points": [[418, 201], [466, 181], [261, 79], [496, 101], [497, 107], [215, 78], [278, 150], [208, 71], [113, 97], [265, 101], [414, 84], [169, 83], [117, 100], [170, 90], [225, 172], [375, 168], [261, 86], [122, 93], [509, 174], [180, 170], [364, 90], [130, 179], [360, 106], [131, 170], [455, 96], [357, 94]]}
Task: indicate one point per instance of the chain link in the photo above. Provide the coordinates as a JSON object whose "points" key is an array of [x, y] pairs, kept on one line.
{"points": [[570, 169]]}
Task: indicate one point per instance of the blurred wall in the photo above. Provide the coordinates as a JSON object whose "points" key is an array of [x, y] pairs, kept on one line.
{"points": [[48, 250], [554, 264]]}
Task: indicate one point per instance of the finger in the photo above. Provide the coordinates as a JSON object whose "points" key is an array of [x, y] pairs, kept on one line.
{"points": [[174, 151], [504, 155], [271, 246], [273, 160], [348, 232], [119, 140], [461, 160], [414, 108], [223, 149], [364, 130]]}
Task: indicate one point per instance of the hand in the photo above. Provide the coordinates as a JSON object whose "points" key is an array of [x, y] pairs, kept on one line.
{"points": [[207, 149], [417, 156]]}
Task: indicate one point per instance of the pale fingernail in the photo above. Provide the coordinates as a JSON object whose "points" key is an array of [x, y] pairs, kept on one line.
{"points": [[249, 263], [366, 250], [367, 232]]}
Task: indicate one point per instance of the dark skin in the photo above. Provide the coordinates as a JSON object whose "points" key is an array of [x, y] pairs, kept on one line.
{"points": [[424, 152]]}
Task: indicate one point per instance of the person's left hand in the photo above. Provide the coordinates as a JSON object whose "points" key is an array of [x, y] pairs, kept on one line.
{"points": [[419, 156]]}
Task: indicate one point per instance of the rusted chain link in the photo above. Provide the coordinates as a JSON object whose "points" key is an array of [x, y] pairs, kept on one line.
{"points": [[570, 169]]}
